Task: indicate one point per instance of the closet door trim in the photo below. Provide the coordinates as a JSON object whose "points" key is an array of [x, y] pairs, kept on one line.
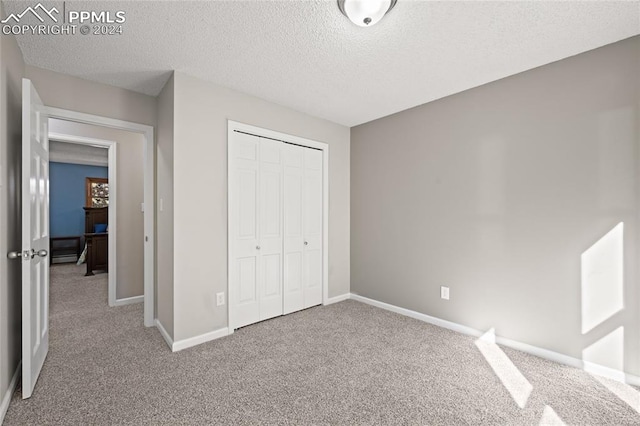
{"points": [[232, 128]]}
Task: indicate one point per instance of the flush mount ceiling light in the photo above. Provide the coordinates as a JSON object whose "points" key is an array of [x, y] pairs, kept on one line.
{"points": [[365, 13]]}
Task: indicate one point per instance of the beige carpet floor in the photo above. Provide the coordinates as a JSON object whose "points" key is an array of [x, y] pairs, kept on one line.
{"points": [[347, 363]]}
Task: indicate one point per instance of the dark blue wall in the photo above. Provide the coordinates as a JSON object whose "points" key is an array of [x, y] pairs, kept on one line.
{"points": [[67, 186]]}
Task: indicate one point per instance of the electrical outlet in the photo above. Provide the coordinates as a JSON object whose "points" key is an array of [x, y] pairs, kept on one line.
{"points": [[444, 293], [220, 299]]}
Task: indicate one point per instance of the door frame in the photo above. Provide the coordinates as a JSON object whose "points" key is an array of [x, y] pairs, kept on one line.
{"points": [[297, 140], [149, 193], [113, 190]]}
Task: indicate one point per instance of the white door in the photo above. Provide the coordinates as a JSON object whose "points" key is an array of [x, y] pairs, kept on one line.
{"points": [[270, 229], [35, 237], [256, 233], [293, 176], [302, 228], [243, 238], [312, 217]]}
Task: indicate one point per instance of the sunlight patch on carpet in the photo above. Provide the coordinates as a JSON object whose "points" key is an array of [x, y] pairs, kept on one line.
{"points": [[512, 379], [550, 418]]}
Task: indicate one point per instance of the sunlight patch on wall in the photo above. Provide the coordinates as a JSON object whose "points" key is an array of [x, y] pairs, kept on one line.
{"points": [[607, 352], [512, 379], [550, 418], [602, 279]]}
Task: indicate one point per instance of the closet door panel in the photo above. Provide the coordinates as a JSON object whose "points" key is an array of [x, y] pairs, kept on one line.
{"points": [[247, 274], [244, 271], [293, 227], [312, 218], [313, 277], [270, 223], [271, 271]]}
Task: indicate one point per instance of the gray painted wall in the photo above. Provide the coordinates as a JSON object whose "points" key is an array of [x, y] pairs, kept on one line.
{"points": [[75, 94], [164, 223], [497, 192], [11, 70], [200, 194]]}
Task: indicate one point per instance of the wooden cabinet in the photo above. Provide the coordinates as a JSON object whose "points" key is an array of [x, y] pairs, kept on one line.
{"points": [[96, 218]]}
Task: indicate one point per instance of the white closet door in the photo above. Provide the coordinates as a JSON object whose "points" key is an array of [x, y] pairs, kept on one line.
{"points": [[293, 176], [312, 218], [270, 224], [276, 230], [244, 271], [302, 228]]}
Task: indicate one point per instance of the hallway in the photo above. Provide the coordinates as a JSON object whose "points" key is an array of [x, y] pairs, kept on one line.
{"points": [[88, 353]]}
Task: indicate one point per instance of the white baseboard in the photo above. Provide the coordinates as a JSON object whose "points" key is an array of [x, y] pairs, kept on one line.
{"points": [[523, 347], [164, 334], [6, 400], [417, 315], [611, 373], [337, 299], [196, 340], [192, 341], [129, 300]]}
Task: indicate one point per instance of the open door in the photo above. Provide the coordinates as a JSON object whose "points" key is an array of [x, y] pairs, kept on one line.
{"points": [[35, 237]]}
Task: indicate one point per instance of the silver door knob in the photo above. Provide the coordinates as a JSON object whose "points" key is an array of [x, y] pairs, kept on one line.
{"points": [[28, 254], [306, 243], [14, 255], [257, 247]]}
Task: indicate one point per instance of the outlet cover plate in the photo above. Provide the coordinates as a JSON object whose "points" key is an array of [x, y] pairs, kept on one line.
{"points": [[444, 293], [219, 299]]}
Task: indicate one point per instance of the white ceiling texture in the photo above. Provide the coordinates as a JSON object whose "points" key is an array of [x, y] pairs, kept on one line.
{"points": [[307, 56]]}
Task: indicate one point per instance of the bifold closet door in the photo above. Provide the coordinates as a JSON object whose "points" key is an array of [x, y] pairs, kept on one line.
{"points": [[302, 227], [270, 229], [312, 272], [293, 228], [255, 242]]}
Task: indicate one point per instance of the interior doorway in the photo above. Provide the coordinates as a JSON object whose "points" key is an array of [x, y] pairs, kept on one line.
{"points": [[107, 205], [83, 204], [121, 290]]}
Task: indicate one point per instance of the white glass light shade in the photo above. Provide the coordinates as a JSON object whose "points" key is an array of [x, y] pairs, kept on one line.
{"points": [[365, 13]]}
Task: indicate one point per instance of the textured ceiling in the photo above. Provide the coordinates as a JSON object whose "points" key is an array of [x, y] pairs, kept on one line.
{"points": [[61, 152], [307, 56]]}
